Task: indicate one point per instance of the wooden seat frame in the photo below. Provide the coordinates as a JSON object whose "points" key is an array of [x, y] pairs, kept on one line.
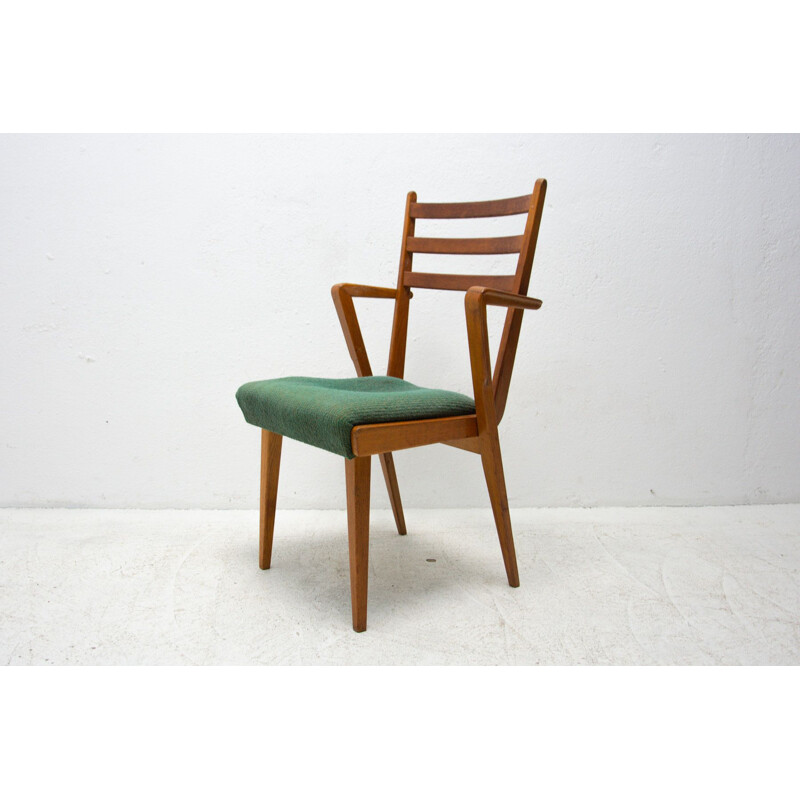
{"points": [[476, 432]]}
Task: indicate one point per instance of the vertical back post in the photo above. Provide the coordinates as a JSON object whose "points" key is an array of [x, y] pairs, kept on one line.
{"points": [[508, 343], [397, 347]]}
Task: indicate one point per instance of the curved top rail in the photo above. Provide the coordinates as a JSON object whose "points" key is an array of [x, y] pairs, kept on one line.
{"points": [[483, 208]]}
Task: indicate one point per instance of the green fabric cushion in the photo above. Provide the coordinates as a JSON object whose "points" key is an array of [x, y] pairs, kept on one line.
{"points": [[323, 411]]}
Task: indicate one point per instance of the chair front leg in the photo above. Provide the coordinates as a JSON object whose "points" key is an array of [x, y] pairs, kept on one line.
{"points": [[357, 473], [270, 469]]}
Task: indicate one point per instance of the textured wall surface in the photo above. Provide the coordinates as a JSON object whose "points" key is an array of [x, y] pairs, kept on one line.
{"points": [[144, 278]]}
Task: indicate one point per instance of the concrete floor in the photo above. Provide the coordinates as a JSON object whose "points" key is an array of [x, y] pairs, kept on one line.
{"points": [[599, 586]]}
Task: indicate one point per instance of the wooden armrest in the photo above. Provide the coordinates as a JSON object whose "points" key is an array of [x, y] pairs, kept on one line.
{"points": [[488, 410], [498, 297], [359, 290], [343, 294]]}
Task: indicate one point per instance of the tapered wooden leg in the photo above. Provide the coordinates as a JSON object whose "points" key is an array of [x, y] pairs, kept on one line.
{"points": [[270, 468], [357, 471], [496, 483], [390, 476]]}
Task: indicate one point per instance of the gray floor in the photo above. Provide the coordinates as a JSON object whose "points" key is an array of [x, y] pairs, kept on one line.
{"points": [[599, 586]]}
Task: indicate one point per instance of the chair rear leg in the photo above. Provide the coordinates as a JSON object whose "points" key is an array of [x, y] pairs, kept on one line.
{"points": [[496, 484], [357, 473], [390, 476], [270, 468]]}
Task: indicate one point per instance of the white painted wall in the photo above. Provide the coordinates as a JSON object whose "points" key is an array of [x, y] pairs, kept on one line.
{"points": [[145, 277]]}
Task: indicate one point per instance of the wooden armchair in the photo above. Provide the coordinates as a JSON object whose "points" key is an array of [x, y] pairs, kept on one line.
{"points": [[375, 415]]}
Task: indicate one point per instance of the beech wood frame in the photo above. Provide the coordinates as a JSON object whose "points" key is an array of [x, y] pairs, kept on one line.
{"points": [[476, 432]]}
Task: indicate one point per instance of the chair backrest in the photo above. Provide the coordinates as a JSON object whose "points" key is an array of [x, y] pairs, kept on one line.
{"points": [[524, 244]]}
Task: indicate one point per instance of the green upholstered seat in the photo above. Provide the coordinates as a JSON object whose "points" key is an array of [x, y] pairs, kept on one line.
{"points": [[323, 411]]}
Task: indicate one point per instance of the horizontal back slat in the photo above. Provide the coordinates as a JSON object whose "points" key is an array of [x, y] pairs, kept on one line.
{"points": [[457, 283], [485, 208], [473, 247]]}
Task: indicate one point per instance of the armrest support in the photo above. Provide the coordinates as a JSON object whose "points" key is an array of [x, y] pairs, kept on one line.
{"points": [[475, 302], [343, 294]]}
